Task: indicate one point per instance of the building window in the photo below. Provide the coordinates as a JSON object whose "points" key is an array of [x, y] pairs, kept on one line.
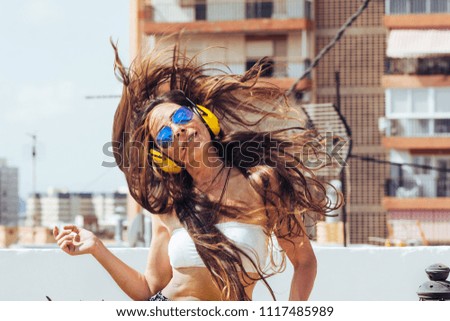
{"points": [[443, 100], [438, 6], [418, 6], [442, 126], [421, 160], [432, 103], [399, 101], [398, 6], [433, 66], [419, 127], [420, 182], [275, 48], [442, 179], [308, 9], [268, 67], [420, 101], [258, 9], [200, 10]]}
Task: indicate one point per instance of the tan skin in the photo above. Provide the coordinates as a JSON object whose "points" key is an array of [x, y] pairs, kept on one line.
{"points": [[189, 283]]}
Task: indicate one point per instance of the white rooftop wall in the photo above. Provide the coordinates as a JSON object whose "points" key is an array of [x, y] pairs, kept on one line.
{"points": [[373, 273]]}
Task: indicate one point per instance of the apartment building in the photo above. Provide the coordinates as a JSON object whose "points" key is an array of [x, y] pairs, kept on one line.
{"points": [[108, 205], [392, 63], [241, 32], [417, 123], [9, 194], [292, 33], [59, 206]]}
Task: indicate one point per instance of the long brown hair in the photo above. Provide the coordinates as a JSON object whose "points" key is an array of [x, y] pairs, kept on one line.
{"points": [[247, 109]]}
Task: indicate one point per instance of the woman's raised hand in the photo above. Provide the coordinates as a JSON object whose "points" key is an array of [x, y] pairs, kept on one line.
{"points": [[75, 241]]}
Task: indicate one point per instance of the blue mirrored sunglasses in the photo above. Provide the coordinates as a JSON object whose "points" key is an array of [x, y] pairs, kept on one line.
{"points": [[181, 116]]}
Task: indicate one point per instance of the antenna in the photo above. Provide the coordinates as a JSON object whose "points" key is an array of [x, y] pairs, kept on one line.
{"points": [[36, 218]]}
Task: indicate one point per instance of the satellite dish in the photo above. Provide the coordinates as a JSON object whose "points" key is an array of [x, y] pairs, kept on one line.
{"points": [[139, 234]]}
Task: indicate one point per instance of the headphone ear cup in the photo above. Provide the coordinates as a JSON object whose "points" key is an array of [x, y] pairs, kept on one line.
{"points": [[165, 163], [210, 119]]}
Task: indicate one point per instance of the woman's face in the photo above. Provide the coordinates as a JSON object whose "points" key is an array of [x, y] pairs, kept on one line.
{"points": [[188, 140]]}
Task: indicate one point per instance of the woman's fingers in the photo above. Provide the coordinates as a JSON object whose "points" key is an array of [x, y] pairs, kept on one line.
{"points": [[55, 232], [69, 237], [63, 233], [68, 247], [72, 228]]}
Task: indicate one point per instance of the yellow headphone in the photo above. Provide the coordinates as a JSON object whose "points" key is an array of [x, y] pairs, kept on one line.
{"points": [[211, 122], [209, 119]]}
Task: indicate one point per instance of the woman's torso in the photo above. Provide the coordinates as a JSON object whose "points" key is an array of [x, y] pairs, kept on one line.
{"points": [[195, 283]]}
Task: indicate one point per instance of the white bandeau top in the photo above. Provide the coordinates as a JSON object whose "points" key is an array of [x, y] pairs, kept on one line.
{"points": [[250, 238]]}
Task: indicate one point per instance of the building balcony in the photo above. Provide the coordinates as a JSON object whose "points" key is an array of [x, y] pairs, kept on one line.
{"points": [[418, 66], [391, 203], [33, 274], [417, 14], [406, 7], [417, 118], [281, 71], [223, 16], [418, 21], [417, 144], [418, 128], [414, 81], [419, 186]]}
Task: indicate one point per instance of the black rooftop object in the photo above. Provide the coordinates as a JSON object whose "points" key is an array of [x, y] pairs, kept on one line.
{"points": [[438, 288]]}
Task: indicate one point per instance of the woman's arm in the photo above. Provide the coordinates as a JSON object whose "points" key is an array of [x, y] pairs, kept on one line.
{"points": [[158, 271], [303, 259], [77, 241], [298, 249], [132, 282]]}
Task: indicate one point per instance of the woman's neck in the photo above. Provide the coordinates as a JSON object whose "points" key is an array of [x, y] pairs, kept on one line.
{"points": [[208, 171], [209, 177]]}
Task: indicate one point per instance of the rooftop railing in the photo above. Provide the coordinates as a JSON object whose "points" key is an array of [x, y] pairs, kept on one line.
{"points": [[399, 7], [275, 67], [222, 10], [418, 128], [420, 185], [418, 66]]}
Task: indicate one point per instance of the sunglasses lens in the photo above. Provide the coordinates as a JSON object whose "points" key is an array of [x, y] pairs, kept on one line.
{"points": [[182, 116], [165, 137]]}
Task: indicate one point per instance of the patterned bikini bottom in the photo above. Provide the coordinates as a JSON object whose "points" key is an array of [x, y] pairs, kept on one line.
{"points": [[158, 297]]}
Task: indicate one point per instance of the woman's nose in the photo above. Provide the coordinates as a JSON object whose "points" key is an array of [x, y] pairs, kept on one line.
{"points": [[179, 130]]}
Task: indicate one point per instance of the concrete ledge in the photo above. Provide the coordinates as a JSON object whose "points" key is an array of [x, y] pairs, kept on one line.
{"points": [[355, 273]]}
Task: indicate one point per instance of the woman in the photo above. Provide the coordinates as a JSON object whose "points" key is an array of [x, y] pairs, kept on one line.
{"points": [[224, 185]]}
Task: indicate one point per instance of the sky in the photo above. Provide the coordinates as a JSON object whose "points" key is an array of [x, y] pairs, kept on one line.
{"points": [[53, 54]]}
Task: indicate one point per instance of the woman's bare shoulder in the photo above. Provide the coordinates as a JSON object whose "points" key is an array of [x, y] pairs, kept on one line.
{"points": [[167, 221]]}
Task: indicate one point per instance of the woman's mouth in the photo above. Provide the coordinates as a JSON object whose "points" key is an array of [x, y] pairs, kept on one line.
{"points": [[189, 139]]}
